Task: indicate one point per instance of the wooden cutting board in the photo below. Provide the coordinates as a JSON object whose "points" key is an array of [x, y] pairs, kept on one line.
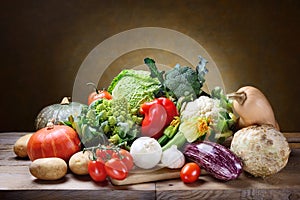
{"points": [[143, 176]]}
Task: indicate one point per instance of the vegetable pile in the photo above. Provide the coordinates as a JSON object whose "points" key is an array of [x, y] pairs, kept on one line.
{"points": [[155, 118]]}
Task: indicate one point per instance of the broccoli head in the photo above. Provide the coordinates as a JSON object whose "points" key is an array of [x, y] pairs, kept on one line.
{"points": [[180, 81], [183, 81]]}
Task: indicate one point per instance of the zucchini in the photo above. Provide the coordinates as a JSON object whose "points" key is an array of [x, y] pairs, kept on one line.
{"points": [[179, 140]]}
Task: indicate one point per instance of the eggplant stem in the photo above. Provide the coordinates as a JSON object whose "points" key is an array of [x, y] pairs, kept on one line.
{"points": [[240, 97]]}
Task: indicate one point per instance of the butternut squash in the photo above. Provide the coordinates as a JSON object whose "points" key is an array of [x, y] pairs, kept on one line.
{"points": [[253, 108]]}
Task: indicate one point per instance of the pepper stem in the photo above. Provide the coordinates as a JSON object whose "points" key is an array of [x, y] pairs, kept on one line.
{"points": [[240, 97]]}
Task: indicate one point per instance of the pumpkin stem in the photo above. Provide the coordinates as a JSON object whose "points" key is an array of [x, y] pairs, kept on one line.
{"points": [[94, 86], [50, 124], [240, 97], [65, 101]]}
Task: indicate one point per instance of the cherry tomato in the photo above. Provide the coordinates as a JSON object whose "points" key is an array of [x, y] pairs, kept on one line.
{"points": [[116, 169], [125, 157], [190, 172], [97, 171], [99, 94], [104, 155]]}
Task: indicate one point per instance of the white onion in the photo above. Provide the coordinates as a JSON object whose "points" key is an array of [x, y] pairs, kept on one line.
{"points": [[146, 152]]}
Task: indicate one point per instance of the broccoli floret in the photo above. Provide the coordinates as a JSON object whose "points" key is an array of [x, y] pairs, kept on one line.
{"points": [[180, 81], [183, 81]]}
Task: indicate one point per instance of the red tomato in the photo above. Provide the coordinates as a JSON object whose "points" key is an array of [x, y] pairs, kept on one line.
{"points": [[104, 155], [54, 141], [98, 95], [97, 171], [125, 157], [116, 169], [190, 172]]}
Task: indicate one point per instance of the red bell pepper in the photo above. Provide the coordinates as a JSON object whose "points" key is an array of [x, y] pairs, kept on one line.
{"points": [[158, 114]]}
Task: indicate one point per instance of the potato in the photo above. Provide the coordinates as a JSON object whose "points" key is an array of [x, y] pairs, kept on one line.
{"points": [[78, 163], [48, 168], [20, 147]]}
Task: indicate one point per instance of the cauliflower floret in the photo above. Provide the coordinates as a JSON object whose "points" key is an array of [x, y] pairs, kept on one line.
{"points": [[202, 107], [199, 117], [208, 118]]}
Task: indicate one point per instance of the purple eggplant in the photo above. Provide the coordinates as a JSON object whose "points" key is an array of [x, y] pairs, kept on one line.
{"points": [[214, 158]]}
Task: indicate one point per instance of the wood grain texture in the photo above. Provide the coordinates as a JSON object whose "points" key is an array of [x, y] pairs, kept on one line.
{"points": [[149, 176], [76, 194], [16, 182], [283, 185]]}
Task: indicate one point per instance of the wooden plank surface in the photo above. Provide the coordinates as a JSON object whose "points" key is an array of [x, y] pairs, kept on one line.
{"points": [[16, 181], [148, 176], [283, 185]]}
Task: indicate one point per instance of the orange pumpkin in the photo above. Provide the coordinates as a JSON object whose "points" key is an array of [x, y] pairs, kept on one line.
{"points": [[53, 141]]}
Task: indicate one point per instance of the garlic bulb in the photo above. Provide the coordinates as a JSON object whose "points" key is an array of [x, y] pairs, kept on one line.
{"points": [[172, 158]]}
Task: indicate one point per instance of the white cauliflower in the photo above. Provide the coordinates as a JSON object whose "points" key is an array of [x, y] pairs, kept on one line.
{"points": [[203, 107], [202, 118], [207, 118]]}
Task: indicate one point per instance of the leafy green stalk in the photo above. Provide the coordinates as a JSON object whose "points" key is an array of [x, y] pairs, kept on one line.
{"points": [[202, 70], [226, 121], [155, 73]]}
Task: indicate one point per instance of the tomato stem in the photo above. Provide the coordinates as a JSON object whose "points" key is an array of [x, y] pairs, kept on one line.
{"points": [[103, 147], [94, 86]]}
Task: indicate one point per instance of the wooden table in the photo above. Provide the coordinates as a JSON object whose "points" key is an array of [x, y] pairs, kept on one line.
{"points": [[17, 183]]}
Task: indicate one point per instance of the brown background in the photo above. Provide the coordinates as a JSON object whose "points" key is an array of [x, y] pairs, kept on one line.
{"points": [[43, 44]]}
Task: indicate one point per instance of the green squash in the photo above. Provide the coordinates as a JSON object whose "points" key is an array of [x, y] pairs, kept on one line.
{"points": [[59, 113]]}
